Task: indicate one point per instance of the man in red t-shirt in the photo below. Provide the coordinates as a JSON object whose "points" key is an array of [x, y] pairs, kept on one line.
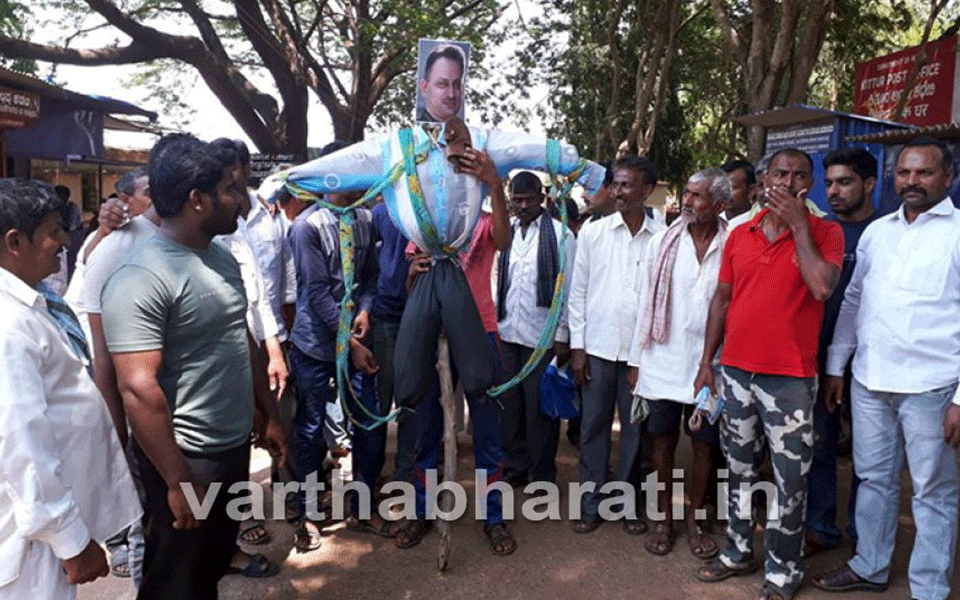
{"points": [[777, 270]]}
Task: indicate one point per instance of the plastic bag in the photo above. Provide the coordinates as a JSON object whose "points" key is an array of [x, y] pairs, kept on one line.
{"points": [[558, 392], [708, 407]]}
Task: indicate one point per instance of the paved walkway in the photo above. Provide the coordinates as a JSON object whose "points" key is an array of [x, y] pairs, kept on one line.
{"points": [[550, 563]]}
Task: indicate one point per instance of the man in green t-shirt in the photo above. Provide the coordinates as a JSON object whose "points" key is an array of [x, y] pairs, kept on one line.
{"points": [[174, 322]]}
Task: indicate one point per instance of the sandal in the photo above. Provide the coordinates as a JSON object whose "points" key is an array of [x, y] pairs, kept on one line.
{"points": [[701, 544], [844, 579], [716, 570], [306, 539], [119, 561], [253, 533], [378, 526], [769, 593], [501, 542], [660, 541], [586, 523], [412, 533], [634, 526], [258, 567]]}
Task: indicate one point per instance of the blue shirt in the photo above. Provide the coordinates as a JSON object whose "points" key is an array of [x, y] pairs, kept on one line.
{"points": [[394, 266], [315, 242]]}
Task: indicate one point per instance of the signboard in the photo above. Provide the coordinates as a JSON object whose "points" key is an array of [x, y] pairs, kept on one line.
{"points": [[18, 108], [262, 165], [809, 138], [64, 130], [881, 82]]}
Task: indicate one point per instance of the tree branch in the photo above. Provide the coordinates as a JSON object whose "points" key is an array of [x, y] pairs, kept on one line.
{"points": [[207, 32], [729, 31], [111, 55], [464, 9], [147, 36]]}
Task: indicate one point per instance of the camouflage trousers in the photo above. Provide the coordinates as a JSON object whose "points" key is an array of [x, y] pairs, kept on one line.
{"points": [[760, 413]]}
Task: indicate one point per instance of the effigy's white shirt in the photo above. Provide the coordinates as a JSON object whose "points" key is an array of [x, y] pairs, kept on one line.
{"points": [[453, 200]]}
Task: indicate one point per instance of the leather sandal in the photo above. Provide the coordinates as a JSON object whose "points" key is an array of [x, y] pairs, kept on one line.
{"points": [[306, 539], [253, 533], [701, 544], [634, 526], [412, 533], [660, 540], [586, 523], [259, 566], [374, 525], [716, 570], [845, 580]]}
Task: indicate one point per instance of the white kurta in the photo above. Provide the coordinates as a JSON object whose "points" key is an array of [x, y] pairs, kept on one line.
{"points": [[667, 370], [63, 475], [524, 320], [606, 285], [260, 317], [267, 235]]}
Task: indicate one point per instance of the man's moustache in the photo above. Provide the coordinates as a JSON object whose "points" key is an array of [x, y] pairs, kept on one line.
{"points": [[912, 189]]}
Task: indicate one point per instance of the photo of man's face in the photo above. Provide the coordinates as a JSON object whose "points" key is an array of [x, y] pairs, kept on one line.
{"points": [[441, 84]]}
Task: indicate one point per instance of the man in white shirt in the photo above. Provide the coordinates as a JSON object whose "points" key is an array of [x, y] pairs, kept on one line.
{"points": [[56, 503], [133, 198], [899, 322], [126, 549], [604, 300], [682, 263], [526, 275], [743, 184]]}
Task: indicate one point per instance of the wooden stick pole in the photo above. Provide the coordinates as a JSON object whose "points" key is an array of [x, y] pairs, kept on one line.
{"points": [[449, 447]]}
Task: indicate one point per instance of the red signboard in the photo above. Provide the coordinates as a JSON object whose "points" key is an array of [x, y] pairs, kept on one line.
{"points": [[18, 108], [880, 84]]}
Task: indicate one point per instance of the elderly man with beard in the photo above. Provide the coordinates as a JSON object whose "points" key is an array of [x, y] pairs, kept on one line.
{"points": [[851, 175], [777, 270], [682, 263], [899, 322]]}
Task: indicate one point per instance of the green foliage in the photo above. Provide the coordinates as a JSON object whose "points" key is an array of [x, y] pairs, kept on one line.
{"points": [[13, 23], [860, 31]]}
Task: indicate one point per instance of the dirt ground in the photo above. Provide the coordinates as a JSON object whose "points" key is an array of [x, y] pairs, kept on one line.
{"points": [[551, 562]]}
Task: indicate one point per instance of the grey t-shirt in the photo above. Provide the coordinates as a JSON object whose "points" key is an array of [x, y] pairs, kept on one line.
{"points": [[191, 305]]}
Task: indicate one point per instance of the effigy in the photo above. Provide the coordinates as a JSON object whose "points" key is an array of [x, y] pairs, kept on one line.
{"points": [[436, 207]]}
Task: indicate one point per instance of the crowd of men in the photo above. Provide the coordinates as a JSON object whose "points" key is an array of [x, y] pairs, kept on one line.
{"points": [[200, 317]]}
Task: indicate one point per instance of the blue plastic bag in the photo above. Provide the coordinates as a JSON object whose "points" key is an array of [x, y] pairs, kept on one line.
{"points": [[558, 393]]}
